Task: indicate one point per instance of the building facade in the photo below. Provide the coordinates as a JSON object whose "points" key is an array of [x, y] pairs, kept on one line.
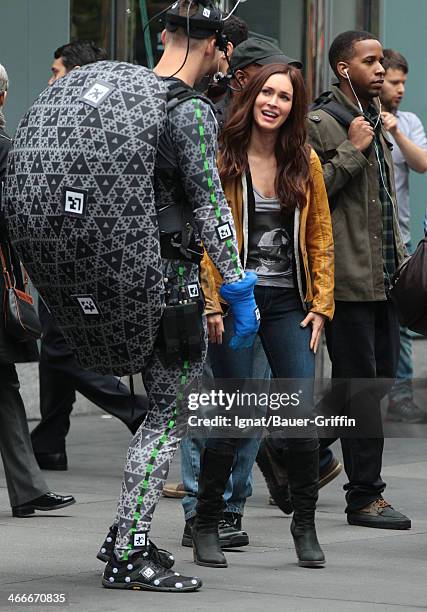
{"points": [[304, 29]]}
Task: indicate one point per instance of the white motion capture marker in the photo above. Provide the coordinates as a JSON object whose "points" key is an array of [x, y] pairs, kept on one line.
{"points": [[193, 290], [224, 232], [148, 572], [74, 202], [140, 539], [97, 93], [87, 304]]}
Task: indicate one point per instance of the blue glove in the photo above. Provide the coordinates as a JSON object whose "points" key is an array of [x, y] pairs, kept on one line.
{"points": [[240, 296]]}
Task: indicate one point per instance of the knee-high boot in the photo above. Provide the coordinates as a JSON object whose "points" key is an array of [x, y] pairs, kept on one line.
{"points": [[215, 468], [303, 472]]}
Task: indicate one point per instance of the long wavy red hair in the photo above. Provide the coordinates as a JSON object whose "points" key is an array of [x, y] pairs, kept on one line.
{"points": [[292, 151]]}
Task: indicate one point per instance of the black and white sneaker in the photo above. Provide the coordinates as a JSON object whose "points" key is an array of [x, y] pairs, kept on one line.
{"points": [[163, 557], [141, 572]]}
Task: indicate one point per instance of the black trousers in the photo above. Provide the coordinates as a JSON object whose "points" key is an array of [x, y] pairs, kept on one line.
{"points": [[60, 377], [363, 343], [23, 477]]}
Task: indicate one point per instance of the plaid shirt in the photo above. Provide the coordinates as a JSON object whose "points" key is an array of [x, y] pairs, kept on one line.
{"points": [[389, 254]]}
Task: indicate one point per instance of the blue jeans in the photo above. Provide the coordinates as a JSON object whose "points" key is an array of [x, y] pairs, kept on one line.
{"points": [[287, 346], [402, 388], [226, 363]]}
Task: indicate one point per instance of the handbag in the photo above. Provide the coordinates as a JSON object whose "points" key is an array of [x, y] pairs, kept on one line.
{"points": [[409, 290], [21, 320]]}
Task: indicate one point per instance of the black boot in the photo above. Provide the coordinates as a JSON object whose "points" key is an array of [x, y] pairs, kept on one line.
{"points": [[272, 464], [303, 472], [215, 468]]}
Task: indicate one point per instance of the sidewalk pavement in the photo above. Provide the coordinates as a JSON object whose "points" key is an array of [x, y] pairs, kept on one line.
{"points": [[367, 569]]}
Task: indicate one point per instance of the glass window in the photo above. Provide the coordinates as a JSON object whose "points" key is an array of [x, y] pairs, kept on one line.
{"points": [[145, 47], [92, 20]]}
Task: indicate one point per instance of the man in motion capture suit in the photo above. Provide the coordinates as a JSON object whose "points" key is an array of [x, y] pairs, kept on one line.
{"points": [[126, 298]]}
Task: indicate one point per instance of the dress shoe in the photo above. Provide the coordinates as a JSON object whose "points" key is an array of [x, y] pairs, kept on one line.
{"points": [[46, 502], [52, 461], [379, 514]]}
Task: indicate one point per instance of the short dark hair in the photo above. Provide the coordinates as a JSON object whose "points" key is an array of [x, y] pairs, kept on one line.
{"points": [[236, 30], [342, 48], [79, 53], [394, 59]]}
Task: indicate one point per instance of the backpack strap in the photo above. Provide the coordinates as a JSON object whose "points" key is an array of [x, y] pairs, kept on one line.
{"points": [[178, 93], [325, 102]]}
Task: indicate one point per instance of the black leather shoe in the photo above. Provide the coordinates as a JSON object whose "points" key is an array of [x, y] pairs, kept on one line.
{"points": [[52, 461], [231, 534], [48, 501]]}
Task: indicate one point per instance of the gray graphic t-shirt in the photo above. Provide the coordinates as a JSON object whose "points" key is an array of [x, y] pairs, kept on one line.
{"points": [[270, 245]]}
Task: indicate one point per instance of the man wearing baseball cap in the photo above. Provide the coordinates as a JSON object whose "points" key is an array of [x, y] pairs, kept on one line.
{"points": [[260, 52]]}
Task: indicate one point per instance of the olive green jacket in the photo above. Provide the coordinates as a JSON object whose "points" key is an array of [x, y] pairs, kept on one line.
{"points": [[352, 183]]}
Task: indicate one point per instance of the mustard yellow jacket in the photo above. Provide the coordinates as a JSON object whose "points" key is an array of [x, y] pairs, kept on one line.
{"points": [[313, 246]]}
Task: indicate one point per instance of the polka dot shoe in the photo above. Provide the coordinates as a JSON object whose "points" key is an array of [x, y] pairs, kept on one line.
{"points": [[161, 556], [142, 573]]}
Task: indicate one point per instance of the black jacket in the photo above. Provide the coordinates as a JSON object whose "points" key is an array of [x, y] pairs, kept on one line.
{"points": [[11, 351]]}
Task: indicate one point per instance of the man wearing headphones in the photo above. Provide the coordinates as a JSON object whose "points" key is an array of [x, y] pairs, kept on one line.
{"points": [[363, 339]]}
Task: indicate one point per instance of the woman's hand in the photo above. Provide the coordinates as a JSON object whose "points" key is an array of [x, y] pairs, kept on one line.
{"points": [[317, 323], [215, 328]]}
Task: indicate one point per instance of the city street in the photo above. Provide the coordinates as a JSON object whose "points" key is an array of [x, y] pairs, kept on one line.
{"points": [[367, 569]]}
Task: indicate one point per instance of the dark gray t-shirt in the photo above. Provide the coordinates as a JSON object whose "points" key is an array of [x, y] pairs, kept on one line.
{"points": [[270, 244]]}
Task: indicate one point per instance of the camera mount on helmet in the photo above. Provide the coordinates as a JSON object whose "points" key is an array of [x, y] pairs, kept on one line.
{"points": [[206, 22]]}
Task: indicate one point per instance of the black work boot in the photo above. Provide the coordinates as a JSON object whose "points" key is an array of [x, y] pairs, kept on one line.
{"points": [[143, 572], [303, 471], [215, 468], [163, 557], [272, 464]]}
